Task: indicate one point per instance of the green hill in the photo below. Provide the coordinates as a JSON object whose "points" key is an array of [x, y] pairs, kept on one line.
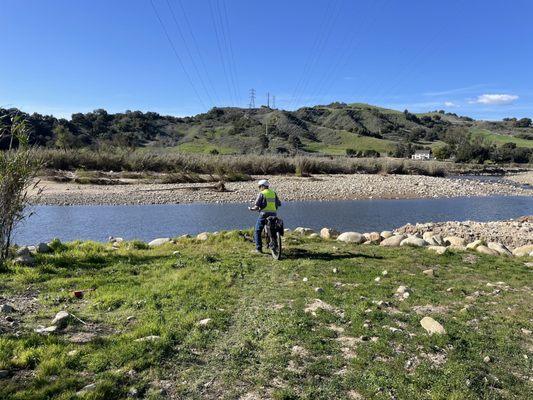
{"points": [[325, 129]]}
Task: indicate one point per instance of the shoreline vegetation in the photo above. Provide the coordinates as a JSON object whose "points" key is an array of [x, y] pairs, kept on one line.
{"points": [[254, 164], [203, 318]]}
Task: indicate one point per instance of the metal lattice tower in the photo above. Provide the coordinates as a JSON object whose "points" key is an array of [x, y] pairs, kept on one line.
{"points": [[252, 99]]}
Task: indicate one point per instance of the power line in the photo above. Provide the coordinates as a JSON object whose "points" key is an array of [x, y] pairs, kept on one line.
{"points": [[189, 52], [176, 54], [233, 65], [198, 51], [220, 52]]}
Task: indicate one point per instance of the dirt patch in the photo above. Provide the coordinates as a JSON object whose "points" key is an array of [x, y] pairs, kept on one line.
{"points": [[318, 304]]}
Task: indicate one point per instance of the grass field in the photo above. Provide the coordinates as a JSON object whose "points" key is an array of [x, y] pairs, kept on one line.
{"points": [[269, 333], [352, 141], [501, 139]]}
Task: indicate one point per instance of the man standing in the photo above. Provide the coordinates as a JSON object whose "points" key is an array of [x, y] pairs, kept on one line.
{"points": [[267, 203]]}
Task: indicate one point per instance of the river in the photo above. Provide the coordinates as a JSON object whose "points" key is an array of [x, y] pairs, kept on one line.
{"points": [[147, 222]]}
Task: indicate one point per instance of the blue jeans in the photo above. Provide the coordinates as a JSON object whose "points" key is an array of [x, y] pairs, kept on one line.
{"points": [[259, 225]]}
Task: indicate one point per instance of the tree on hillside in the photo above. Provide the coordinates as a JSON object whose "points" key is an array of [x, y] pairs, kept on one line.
{"points": [[523, 123], [64, 139]]}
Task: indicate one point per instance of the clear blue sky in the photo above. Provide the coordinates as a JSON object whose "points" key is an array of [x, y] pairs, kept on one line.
{"points": [[472, 57]]}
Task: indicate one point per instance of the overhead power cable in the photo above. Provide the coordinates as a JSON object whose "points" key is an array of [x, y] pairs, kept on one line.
{"points": [[176, 54], [182, 36]]}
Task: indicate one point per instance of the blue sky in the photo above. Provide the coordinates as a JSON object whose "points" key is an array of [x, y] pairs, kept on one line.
{"points": [[470, 57]]}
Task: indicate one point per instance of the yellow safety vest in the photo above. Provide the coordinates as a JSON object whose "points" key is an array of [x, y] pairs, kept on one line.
{"points": [[270, 197]]}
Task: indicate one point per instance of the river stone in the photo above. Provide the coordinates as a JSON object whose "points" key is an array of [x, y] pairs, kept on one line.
{"points": [[351, 237], [159, 242], [6, 309], [61, 319], [474, 244], [374, 237], [303, 231], [500, 248], [438, 249], [386, 234], [23, 251], [202, 236], [393, 241], [431, 326], [329, 233], [455, 241], [86, 389], [26, 260], [413, 241], [485, 250], [43, 248], [523, 250]]}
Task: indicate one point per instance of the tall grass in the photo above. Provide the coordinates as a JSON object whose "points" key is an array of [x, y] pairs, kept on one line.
{"points": [[237, 164]]}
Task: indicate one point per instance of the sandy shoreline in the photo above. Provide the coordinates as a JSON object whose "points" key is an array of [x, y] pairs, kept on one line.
{"points": [[290, 188]]}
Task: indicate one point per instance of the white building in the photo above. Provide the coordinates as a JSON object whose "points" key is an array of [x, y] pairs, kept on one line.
{"points": [[422, 155]]}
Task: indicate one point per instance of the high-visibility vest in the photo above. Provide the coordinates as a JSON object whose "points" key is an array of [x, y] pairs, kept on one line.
{"points": [[270, 197]]}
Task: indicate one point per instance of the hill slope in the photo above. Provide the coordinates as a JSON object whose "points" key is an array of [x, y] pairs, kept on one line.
{"points": [[328, 129]]}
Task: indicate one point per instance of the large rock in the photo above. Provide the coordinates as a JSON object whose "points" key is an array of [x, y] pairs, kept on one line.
{"points": [[61, 319], [431, 326], [374, 237], [386, 234], [523, 250], [351, 237], [455, 241], [26, 260], [500, 248], [413, 241], [159, 242], [433, 240], [485, 250], [202, 236], [438, 249], [329, 233], [393, 241], [474, 244], [23, 251], [43, 248], [303, 231]]}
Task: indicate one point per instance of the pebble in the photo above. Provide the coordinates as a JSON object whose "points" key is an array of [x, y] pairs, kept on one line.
{"points": [[487, 359], [319, 290]]}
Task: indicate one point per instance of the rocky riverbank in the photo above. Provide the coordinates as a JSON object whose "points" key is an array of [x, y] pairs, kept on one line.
{"points": [[290, 188]]}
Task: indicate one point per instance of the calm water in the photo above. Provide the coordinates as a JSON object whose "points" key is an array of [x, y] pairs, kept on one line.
{"points": [[151, 221]]}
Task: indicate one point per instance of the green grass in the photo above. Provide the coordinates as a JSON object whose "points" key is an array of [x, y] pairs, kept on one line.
{"points": [[257, 311], [351, 141], [501, 139]]}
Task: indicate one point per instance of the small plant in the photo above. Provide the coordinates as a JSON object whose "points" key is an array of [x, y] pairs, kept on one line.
{"points": [[18, 167]]}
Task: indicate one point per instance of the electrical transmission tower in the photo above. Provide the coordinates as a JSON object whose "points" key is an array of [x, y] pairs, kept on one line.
{"points": [[273, 102], [252, 99]]}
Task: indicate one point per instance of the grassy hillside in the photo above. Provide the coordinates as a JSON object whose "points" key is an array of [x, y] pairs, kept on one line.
{"points": [[327, 129], [208, 320]]}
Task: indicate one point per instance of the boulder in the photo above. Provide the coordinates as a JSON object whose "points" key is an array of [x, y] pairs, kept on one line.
{"points": [[500, 248], [433, 240], [429, 272], [329, 233], [185, 236], [438, 249], [427, 235], [431, 326], [61, 319], [474, 244], [159, 242], [413, 241], [4, 373], [303, 231], [313, 235], [455, 241], [401, 289], [25, 260], [393, 241], [374, 237], [457, 247], [351, 237], [46, 331], [523, 250], [202, 236], [23, 251], [485, 250], [386, 234], [115, 239]]}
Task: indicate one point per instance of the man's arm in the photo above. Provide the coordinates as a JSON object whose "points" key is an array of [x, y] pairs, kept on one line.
{"points": [[259, 203], [278, 203]]}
